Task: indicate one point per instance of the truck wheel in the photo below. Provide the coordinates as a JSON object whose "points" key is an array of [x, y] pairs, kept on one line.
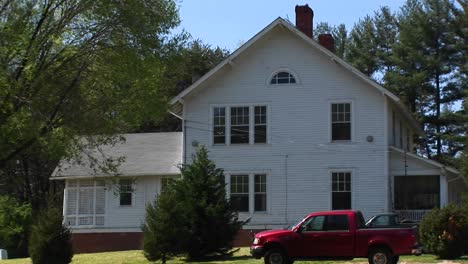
{"points": [[276, 256], [380, 256], [395, 259]]}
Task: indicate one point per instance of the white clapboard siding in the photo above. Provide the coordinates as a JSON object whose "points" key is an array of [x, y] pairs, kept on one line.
{"points": [[98, 205], [299, 156]]}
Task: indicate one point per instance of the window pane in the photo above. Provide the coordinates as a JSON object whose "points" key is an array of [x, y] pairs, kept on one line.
{"points": [[126, 198], [283, 78], [337, 222], [239, 134], [341, 131], [260, 202], [240, 202], [260, 134], [341, 200], [314, 224]]}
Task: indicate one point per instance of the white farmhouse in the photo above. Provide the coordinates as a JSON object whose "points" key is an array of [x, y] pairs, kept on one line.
{"points": [[296, 130]]}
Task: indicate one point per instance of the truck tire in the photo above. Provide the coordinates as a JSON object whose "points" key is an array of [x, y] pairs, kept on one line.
{"points": [[380, 256], [395, 259], [276, 256]]}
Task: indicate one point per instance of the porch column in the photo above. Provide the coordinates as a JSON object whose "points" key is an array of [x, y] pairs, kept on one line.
{"points": [[443, 190]]}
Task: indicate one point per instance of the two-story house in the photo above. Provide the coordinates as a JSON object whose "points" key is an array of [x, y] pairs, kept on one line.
{"points": [[297, 130]]}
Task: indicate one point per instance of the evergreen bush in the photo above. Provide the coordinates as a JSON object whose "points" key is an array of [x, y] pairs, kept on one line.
{"points": [[192, 216], [444, 232], [50, 241], [15, 219]]}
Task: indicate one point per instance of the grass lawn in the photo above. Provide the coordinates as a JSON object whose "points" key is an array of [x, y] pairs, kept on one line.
{"points": [[240, 257]]}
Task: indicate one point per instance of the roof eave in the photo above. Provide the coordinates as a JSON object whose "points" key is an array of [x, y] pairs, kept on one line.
{"points": [[432, 162]]}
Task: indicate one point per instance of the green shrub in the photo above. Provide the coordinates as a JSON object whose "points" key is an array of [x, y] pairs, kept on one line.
{"points": [[192, 216], [444, 232], [15, 219], [50, 240], [163, 230]]}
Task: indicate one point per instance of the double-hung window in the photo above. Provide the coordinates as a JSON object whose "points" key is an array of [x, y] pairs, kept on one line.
{"points": [[126, 192], [341, 190], [240, 192], [219, 125], [341, 121], [240, 125], [248, 192]]}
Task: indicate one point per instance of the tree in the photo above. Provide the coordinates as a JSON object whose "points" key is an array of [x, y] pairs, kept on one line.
{"points": [[187, 64], [165, 230], [425, 70], [193, 215], [15, 219], [71, 69], [362, 47], [339, 34], [50, 241]]}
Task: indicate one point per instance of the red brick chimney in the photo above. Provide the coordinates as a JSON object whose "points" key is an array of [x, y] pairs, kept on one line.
{"points": [[327, 41], [304, 19]]}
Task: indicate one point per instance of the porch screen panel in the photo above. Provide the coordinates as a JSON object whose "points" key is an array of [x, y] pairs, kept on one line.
{"points": [[417, 192], [85, 203]]}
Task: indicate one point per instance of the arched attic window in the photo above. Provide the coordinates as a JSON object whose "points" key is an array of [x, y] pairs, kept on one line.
{"points": [[283, 77]]}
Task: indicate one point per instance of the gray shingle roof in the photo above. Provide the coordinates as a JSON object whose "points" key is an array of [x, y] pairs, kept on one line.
{"points": [[145, 154]]}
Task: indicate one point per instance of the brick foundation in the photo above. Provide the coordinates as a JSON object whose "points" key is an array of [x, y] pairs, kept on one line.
{"points": [[103, 242]]}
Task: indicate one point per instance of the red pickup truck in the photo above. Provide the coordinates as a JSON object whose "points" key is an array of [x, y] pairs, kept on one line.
{"points": [[334, 235]]}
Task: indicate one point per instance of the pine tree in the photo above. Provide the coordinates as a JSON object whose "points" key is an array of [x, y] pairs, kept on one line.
{"points": [[192, 216], [425, 64], [213, 223], [362, 47], [164, 230], [50, 241]]}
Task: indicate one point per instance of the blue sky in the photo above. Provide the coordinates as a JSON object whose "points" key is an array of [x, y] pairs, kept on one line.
{"points": [[230, 23]]}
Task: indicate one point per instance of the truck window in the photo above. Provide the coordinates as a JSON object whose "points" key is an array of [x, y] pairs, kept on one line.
{"points": [[337, 222], [314, 223]]}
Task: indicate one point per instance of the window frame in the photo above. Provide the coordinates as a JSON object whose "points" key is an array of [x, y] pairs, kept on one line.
{"points": [[251, 107], [77, 187], [352, 173], [330, 120], [251, 176], [283, 69]]}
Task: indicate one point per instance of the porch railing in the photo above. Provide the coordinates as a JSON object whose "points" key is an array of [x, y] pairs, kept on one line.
{"points": [[414, 215]]}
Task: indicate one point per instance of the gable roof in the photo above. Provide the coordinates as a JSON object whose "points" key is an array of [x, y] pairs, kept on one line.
{"points": [[285, 24], [144, 154]]}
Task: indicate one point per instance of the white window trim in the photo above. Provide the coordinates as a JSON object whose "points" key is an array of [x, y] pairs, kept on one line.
{"points": [[77, 215], [330, 185], [283, 69], [349, 101], [251, 212], [251, 123]]}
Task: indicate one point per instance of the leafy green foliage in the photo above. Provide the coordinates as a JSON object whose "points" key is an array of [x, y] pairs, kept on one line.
{"points": [[192, 216], [50, 241], [76, 68], [15, 219], [444, 232]]}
